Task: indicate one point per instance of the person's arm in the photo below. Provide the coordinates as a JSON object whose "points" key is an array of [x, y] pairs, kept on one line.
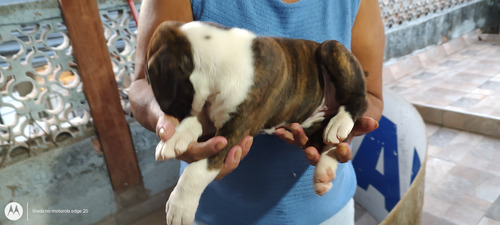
{"points": [[153, 12], [144, 106], [367, 44]]}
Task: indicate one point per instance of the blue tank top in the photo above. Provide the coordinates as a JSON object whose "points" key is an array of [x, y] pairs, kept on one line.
{"points": [[273, 184]]}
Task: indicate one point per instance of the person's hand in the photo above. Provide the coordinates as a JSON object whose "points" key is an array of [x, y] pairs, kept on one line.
{"points": [[343, 152], [165, 129]]}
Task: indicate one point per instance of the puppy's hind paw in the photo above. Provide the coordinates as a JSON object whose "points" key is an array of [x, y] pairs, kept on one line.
{"points": [[323, 180], [339, 127], [325, 172], [180, 213]]}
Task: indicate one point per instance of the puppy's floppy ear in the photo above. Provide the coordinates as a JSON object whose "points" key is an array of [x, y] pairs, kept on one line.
{"points": [[164, 85], [169, 66], [347, 75]]}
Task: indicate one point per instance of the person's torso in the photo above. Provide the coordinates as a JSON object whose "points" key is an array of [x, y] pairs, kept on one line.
{"points": [[273, 184]]}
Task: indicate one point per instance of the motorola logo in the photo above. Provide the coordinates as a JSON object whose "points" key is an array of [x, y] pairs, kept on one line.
{"points": [[13, 211]]}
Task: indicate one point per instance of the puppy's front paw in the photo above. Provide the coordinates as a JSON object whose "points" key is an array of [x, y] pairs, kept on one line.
{"points": [[338, 128], [186, 133], [180, 210], [163, 152], [175, 146]]}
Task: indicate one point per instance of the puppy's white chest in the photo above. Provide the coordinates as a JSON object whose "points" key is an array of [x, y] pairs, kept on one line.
{"points": [[224, 71]]}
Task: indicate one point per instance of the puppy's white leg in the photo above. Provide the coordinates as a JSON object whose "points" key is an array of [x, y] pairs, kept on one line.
{"points": [[183, 202], [338, 128], [325, 171], [186, 132]]}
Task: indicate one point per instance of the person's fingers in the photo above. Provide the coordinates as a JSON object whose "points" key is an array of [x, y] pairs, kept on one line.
{"points": [[246, 144], [299, 135], [234, 157], [232, 161], [286, 135], [202, 150], [364, 125], [165, 127], [312, 155], [343, 152], [294, 136]]}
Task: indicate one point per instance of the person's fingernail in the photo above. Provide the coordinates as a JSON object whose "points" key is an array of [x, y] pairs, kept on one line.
{"points": [[376, 124], [249, 143], [342, 149], [220, 146], [309, 155], [237, 154], [161, 133]]}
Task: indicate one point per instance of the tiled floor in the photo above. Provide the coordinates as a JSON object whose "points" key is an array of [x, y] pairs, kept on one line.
{"points": [[462, 75], [462, 179]]}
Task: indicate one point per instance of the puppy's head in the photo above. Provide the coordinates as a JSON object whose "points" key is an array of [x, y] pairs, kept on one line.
{"points": [[169, 64]]}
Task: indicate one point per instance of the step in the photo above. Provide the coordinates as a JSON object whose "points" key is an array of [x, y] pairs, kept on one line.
{"points": [[460, 120], [455, 84]]}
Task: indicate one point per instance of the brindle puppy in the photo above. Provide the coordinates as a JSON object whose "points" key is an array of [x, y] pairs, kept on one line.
{"points": [[247, 84]]}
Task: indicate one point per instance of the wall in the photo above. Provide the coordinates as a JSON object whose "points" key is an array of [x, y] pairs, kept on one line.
{"points": [[440, 26], [157, 176], [70, 177], [74, 177]]}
